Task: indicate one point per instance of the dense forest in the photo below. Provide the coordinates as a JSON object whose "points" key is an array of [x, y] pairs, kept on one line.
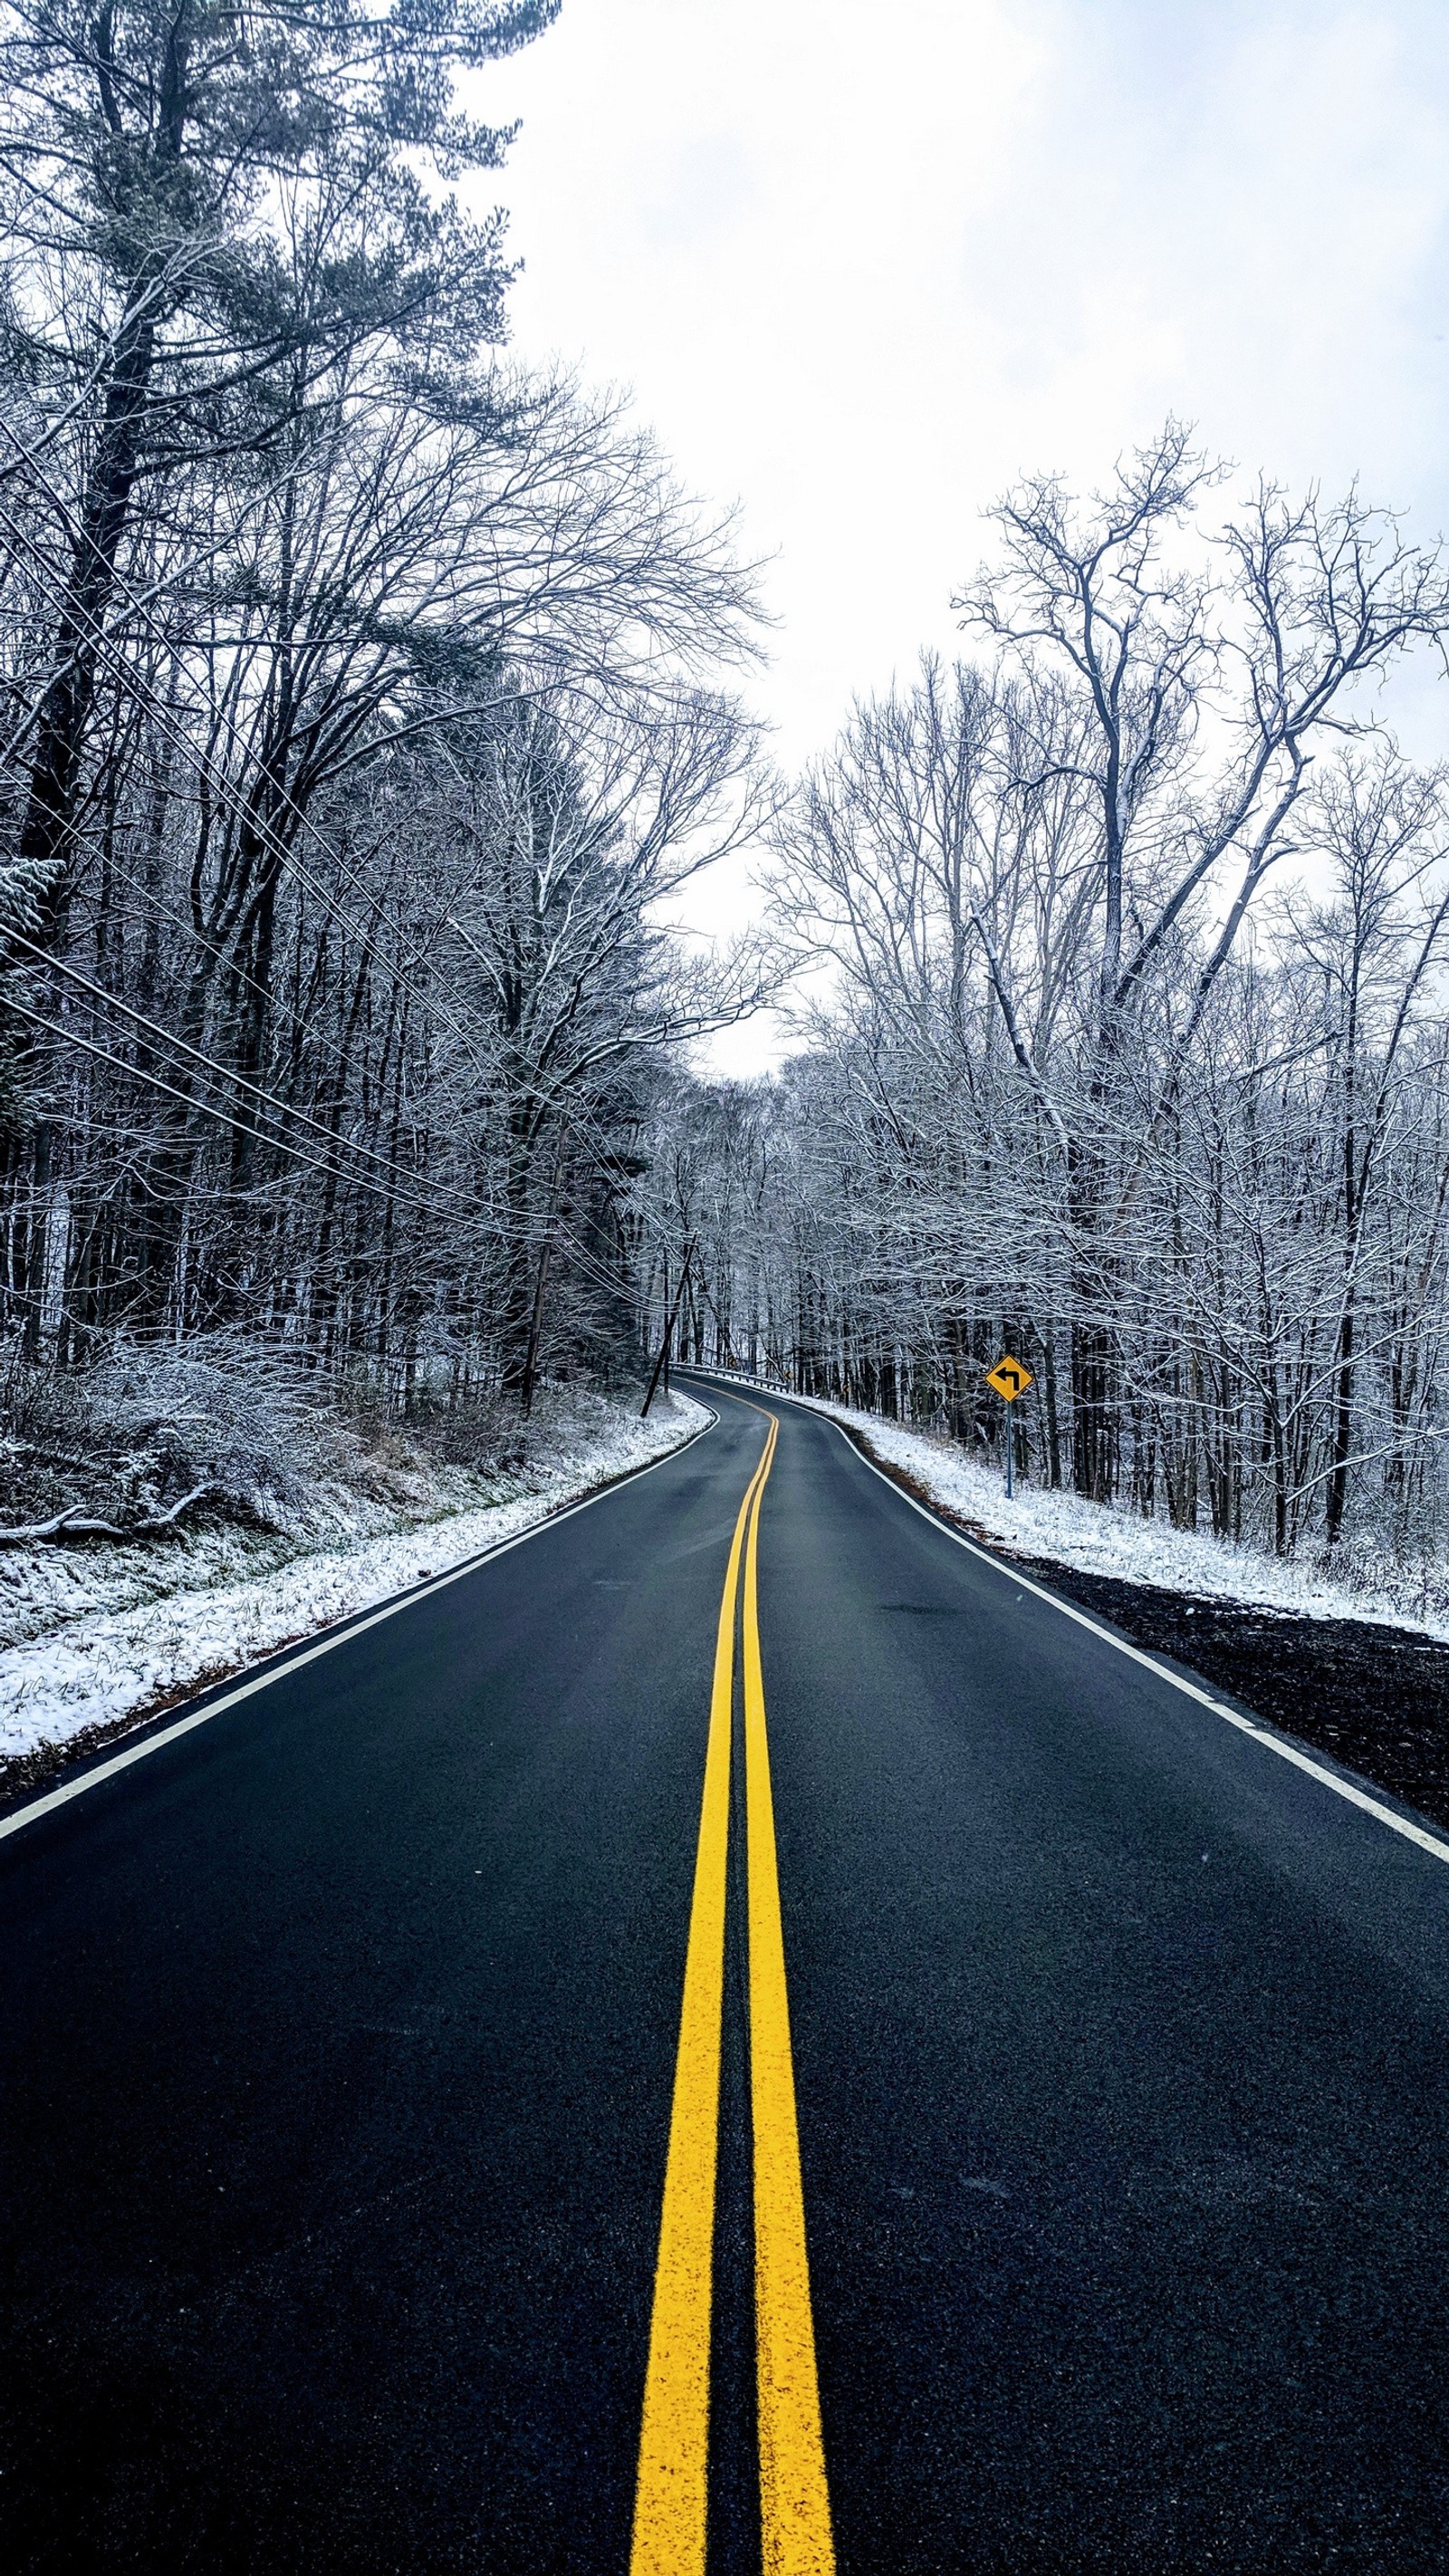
{"points": [[369, 701], [362, 706]]}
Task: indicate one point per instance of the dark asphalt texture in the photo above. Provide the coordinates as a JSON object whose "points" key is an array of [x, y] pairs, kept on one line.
{"points": [[338, 2044]]}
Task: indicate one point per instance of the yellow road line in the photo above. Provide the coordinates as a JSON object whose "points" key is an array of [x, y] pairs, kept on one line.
{"points": [[671, 2500], [794, 2499]]}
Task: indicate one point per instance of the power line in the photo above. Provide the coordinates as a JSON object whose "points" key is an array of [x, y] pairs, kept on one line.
{"points": [[140, 1073], [227, 1073], [152, 902], [101, 640]]}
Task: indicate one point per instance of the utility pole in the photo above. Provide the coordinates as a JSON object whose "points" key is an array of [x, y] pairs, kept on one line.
{"points": [[661, 1365]]}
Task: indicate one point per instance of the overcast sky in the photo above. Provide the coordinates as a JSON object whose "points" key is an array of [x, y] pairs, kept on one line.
{"points": [[861, 265]]}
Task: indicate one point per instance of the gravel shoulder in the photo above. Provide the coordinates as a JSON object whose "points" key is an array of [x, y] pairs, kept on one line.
{"points": [[1372, 1696], [1375, 1698]]}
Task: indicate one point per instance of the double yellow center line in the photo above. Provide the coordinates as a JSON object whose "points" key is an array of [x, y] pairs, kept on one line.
{"points": [[671, 2502]]}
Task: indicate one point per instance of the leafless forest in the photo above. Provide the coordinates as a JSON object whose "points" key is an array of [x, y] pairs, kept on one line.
{"points": [[362, 705], [369, 704], [1128, 1053]]}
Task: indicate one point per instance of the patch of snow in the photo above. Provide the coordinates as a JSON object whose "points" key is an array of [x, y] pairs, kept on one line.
{"points": [[1099, 1538], [95, 1665]]}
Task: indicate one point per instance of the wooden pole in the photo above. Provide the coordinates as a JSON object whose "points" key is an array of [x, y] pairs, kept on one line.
{"points": [[663, 1360]]}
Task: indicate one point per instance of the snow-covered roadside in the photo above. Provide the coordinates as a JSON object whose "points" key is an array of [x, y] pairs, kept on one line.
{"points": [[1099, 1539], [101, 1667]]}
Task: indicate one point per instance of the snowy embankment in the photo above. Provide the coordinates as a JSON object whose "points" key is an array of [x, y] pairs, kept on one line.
{"points": [[110, 1634], [1099, 1539]]}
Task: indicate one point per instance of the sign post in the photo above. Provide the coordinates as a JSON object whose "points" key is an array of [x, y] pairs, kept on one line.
{"points": [[1009, 1379]]}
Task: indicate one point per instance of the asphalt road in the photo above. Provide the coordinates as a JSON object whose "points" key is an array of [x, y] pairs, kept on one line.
{"points": [[339, 2042]]}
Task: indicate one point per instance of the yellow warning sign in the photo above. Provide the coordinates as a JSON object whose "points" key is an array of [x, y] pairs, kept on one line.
{"points": [[1009, 1378]]}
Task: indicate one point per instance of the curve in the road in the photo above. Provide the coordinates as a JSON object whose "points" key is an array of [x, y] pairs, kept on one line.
{"points": [[338, 2041]]}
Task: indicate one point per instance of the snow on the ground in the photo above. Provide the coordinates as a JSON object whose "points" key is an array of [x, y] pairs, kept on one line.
{"points": [[1101, 1539], [100, 1665]]}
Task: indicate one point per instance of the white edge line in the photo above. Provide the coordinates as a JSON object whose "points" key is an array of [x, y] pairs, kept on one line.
{"points": [[336, 1635], [1289, 1752]]}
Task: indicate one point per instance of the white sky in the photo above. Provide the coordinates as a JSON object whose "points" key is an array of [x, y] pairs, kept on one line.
{"points": [[861, 265]]}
